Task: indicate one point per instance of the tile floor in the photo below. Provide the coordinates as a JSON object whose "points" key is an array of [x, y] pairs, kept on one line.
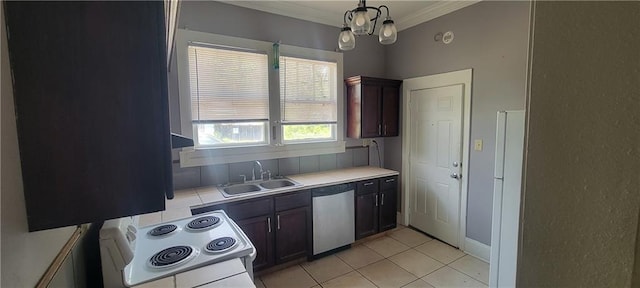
{"points": [[400, 258]]}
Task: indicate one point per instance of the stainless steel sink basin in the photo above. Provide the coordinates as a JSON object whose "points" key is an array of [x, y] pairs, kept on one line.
{"points": [[241, 189], [273, 184], [259, 186]]}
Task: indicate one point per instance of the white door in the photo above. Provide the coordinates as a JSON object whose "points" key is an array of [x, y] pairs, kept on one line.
{"points": [[435, 153]]}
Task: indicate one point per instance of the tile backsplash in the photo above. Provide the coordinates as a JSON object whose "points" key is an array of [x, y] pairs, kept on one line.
{"points": [[224, 173]]}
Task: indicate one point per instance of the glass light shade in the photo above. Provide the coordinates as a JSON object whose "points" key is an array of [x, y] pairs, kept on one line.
{"points": [[346, 39], [361, 24], [388, 33]]}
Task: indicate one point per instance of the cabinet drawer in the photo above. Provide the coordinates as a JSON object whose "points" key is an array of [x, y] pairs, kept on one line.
{"points": [[249, 209], [293, 200], [389, 182], [368, 186]]}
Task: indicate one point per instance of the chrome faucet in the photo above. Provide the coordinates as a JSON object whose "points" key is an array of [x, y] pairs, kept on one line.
{"points": [[253, 170]]}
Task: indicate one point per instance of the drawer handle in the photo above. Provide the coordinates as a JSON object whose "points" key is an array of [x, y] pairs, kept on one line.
{"points": [[368, 184], [390, 180], [269, 223]]}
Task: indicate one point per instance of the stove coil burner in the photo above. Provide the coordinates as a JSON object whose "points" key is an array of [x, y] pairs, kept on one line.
{"points": [[203, 222], [221, 245], [163, 230], [171, 256]]}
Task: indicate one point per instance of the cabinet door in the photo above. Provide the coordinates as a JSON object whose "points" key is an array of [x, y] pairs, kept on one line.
{"points": [[292, 234], [388, 202], [90, 84], [387, 209], [260, 232], [390, 111], [366, 215], [371, 113]]}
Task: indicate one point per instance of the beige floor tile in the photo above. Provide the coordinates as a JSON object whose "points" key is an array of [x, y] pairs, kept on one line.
{"points": [[387, 274], [359, 256], [326, 268], [293, 276], [415, 262], [418, 284], [448, 277], [353, 279], [473, 267], [386, 246], [410, 237], [258, 283], [440, 251]]}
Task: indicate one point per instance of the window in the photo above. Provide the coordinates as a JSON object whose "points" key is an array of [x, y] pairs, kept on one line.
{"points": [[238, 107], [308, 98], [229, 96]]}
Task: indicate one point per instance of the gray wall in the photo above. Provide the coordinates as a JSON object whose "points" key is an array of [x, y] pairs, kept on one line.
{"points": [[219, 18], [491, 38], [25, 256], [582, 189]]}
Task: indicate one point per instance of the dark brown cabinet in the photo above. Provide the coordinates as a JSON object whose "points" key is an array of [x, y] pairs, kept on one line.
{"points": [[388, 203], [90, 90], [278, 226], [373, 106], [375, 206]]}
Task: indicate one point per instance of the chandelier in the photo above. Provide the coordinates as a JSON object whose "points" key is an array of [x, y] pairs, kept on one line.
{"points": [[358, 22]]}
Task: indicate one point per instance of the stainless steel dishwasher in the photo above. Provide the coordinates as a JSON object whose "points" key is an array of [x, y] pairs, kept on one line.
{"points": [[333, 217]]}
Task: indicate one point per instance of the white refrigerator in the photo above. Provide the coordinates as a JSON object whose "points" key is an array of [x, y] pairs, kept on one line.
{"points": [[506, 198]]}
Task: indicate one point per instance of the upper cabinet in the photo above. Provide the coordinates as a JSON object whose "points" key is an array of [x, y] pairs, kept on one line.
{"points": [[372, 107], [90, 88]]}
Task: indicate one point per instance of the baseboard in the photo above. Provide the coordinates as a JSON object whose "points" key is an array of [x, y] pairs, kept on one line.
{"points": [[477, 249]]}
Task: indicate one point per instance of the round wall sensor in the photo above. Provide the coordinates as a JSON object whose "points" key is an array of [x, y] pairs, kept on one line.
{"points": [[447, 37]]}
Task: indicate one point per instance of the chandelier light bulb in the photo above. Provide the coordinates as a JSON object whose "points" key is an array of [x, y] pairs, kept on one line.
{"points": [[346, 39], [361, 24], [388, 33]]}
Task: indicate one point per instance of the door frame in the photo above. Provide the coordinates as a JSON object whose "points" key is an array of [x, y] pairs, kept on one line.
{"points": [[463, 77]]}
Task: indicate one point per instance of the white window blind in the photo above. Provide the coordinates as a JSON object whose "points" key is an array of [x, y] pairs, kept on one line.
{"points": [[228, 85], [308, 91]]}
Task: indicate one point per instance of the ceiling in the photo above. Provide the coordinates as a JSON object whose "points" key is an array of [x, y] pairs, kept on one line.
{"points": [[404, 13]]}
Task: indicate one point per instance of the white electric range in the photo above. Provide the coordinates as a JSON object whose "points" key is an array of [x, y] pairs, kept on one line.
{"points": [[131, 255]]}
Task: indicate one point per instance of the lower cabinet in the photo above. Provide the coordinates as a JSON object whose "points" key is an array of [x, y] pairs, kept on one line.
{"points": [[376, 206], [279, 227]]}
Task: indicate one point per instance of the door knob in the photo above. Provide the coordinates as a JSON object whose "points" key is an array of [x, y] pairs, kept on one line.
{"points": [[455, 164], [455, 175]]}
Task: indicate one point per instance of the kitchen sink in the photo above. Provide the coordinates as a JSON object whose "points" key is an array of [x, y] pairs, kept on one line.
{"points": [[241, 189], [259, 186], [273, 184]]}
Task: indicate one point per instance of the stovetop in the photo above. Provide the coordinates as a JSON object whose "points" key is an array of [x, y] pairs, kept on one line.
{"points": [[190, 240]]}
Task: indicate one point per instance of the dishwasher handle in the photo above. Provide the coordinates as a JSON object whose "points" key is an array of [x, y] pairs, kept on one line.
{"points": [[332, 190]]}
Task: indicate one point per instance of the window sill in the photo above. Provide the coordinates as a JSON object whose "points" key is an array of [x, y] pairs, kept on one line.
{"points": [[211, 156]]}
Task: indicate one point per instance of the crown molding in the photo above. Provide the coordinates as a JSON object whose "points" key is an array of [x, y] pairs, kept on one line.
{"points": [[294, 10], [290, 9], [429, 13]]}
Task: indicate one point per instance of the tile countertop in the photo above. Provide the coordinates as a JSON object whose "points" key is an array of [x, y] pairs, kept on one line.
{"points": [[211, 195], [180, 206]]}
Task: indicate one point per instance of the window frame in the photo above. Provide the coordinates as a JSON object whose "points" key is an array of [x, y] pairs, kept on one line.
{"points": [[276, 146]]}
